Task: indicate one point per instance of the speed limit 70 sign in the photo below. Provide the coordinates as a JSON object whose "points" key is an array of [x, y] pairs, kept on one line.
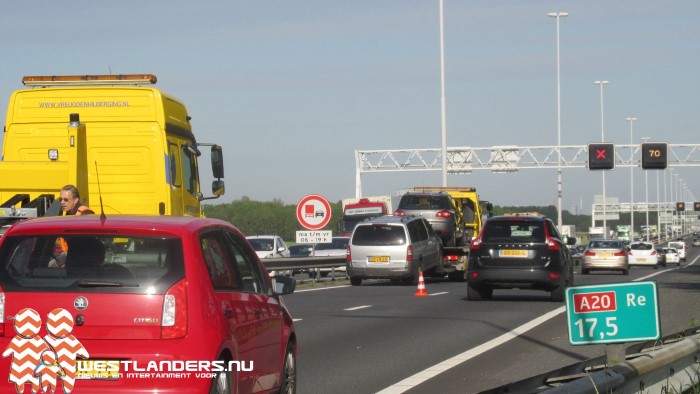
{"points": [[613, 313]]}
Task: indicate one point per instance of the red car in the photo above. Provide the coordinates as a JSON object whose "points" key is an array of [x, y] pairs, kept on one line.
{"points": [[138, 304]]}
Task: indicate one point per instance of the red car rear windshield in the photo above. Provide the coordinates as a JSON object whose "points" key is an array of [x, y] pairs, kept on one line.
{"points": [[90, 263]]}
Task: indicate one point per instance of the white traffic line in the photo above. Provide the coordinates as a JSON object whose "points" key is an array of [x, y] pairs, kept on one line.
{"points": [[441, 293], [430, 372], [296, 320], [322, 288], [358, 307]]}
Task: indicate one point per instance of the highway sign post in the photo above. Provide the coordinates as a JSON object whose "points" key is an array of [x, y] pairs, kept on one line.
{"points": [[613, 313]]}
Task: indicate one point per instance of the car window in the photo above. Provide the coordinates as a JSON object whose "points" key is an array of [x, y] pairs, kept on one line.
{"points": [[382, 235], [516, 231], [422, 231], [252, 276], [262, 244], [424, 202], [219, 265], [136, 263], [641, 246]]}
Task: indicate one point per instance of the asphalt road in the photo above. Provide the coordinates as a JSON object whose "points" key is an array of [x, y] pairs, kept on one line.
{"points": [[370, 338]]}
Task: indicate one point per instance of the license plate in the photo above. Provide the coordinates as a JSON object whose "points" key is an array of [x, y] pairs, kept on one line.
{"points": [[512, 253], [93, 369], [379, 259], [605, 254], [642, 259]]}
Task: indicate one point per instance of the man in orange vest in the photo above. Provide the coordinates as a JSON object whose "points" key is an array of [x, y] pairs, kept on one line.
{"points": [[70, 202]]}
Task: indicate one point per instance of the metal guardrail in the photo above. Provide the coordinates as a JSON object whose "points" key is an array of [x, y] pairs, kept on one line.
{"points": [[666, 366], [304, 263]]}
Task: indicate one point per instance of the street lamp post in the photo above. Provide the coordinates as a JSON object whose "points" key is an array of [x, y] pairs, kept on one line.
{"points": [[443, 110], [558, 16], [646, 194], [602, 139], [631, 120]]}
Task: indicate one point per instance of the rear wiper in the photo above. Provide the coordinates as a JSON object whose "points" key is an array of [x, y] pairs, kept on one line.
{"points": [[97, 283]]}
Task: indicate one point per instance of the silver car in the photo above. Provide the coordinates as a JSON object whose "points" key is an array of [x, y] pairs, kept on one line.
{"points": [[437, 208], [605, 254], [393, 247]]}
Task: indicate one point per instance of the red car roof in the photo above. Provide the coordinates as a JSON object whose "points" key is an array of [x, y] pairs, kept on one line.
{"points": [[93, 224]]}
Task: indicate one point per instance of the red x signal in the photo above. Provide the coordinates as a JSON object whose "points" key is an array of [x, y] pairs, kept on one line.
{"points": [[600, 153]]}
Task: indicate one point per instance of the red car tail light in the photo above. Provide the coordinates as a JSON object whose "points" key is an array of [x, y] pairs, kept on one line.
{"points": [[619, 254], [554, 276], [409, 253], [443, 214], [551, 244], [476, 243], [174, 319], [653, 252], [348, 255], [589, 253], [399, 212], [451, 258]]}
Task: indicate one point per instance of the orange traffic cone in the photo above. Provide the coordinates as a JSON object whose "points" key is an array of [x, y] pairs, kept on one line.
{"points": [[421, 285]]}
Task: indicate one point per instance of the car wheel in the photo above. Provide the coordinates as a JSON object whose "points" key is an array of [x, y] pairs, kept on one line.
{"points": [[625, 272], [289, 373], [222, 383], [355, 281], [557, 294], [473, 292]]}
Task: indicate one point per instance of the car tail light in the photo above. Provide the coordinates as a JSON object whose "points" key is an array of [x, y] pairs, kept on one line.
{"points": [[589, 253], [443, 214], [653, 252], [409, 253], [348, 255], [551, 244], [174, 319], [476, 243], [554, 276], [451, 258], [399, 212], [619, 254], [473, 275]]}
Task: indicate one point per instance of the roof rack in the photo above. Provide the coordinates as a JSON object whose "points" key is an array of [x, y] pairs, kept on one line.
{"points": [[77, 80]]}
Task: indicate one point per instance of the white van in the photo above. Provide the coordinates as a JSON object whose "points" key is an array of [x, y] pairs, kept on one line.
{"points": [[680, 247]]}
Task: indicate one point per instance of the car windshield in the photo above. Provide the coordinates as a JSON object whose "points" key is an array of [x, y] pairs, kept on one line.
{"points": [[262, 244], [516, 231], [641, 246], [423, 202], [605, 245], [383, 235], [121, 264]]}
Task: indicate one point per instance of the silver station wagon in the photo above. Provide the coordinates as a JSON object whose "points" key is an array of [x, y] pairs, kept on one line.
{"points": [[393, 247]]}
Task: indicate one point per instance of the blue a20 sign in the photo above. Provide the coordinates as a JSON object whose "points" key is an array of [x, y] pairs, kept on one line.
{"points": [[613, 313]]}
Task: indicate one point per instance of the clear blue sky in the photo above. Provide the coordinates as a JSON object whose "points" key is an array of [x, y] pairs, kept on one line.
{"points": [[292, 88]]}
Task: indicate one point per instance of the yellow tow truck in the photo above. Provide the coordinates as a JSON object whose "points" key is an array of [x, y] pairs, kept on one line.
{"points": [[128, 148]]}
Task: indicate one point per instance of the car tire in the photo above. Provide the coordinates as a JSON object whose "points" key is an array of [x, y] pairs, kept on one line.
{"points": [[222, 383], [355, 281], [474, 292], [626, 272], [288, 385]]}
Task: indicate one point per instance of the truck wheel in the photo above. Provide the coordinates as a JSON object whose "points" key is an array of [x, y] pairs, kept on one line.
{"points": [[355, 281]]}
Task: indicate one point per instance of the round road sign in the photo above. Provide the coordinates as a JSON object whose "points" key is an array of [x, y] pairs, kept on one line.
{"points": [[313, 212]]}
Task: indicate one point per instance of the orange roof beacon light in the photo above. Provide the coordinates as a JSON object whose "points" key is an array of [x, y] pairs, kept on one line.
{"points": [[120, 79]]}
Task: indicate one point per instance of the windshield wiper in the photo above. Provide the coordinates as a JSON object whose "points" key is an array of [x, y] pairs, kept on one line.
{"points": [[98, 283]]}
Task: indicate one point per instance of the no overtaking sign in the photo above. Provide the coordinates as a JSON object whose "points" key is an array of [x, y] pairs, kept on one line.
{"points": [[313, 212]]}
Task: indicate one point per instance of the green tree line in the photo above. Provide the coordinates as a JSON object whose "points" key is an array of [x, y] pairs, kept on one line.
{"points": [[276, 218]]}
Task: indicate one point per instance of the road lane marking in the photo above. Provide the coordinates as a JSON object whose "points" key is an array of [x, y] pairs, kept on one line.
{"points": [[431, 372], [358, 307], [297, 320], [321, 288], [441, 293]]}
